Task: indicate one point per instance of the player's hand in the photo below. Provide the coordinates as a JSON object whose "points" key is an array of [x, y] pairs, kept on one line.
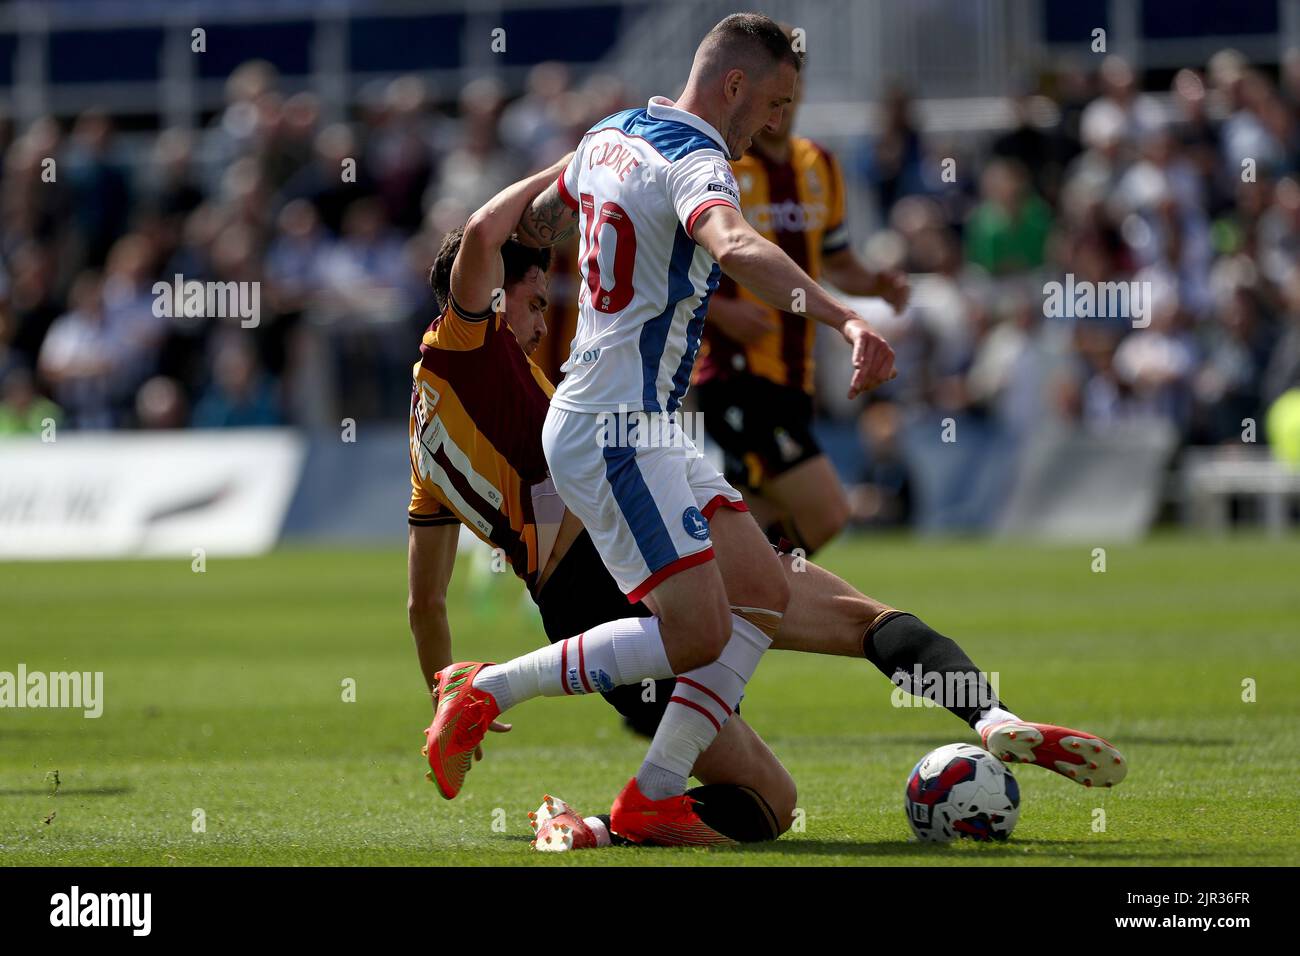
{"points": [[873, 359], [892, 286], [496, 727], [742, 319]]}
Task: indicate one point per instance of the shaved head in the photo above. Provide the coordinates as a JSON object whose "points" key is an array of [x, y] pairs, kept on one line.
{"points": [[744, 41], [743, 77]]}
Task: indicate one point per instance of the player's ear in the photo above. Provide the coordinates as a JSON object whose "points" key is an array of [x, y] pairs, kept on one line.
{"points": [[733, 84]]}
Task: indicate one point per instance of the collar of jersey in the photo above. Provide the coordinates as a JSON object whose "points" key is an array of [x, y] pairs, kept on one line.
{"points": [[661, 108]]}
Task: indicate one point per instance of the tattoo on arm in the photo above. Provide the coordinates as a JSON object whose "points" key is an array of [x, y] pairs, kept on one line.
{"points": [[548, 220]]}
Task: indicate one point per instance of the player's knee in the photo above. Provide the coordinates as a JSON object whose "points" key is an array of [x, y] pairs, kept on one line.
{"points": [[766, 587], [421, 609], [770, 591], [784, 800], [822, 523], [695, 637], [778, 591], [835, 517], [712, 634], [779, 794]]}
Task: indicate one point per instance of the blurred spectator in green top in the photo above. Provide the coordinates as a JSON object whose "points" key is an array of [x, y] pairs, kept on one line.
{"points": [[23, 410], [1007, 232]]}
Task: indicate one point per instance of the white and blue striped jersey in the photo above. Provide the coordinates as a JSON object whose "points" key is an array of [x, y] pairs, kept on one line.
{"points": [[639, 179]]}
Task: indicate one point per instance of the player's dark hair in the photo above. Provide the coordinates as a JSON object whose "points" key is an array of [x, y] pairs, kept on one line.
{"points": [[518, 259], [758, 32]]}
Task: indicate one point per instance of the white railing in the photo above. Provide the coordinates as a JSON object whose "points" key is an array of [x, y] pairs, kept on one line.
{"points": [[1211, 479]]}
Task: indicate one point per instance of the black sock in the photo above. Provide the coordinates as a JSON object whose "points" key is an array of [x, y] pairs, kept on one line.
{"points": [[614, 838], [901, 643], [734, 811], [737, 812]]}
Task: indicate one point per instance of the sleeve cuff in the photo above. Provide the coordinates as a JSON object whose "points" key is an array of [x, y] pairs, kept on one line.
{"points": [[431, 521], [835, 238], [564, 194], [695, 213], [469, 316]]}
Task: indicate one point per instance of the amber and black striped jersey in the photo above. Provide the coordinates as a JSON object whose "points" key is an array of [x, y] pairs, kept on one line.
{"points": [[477, 408], [799, 205]]}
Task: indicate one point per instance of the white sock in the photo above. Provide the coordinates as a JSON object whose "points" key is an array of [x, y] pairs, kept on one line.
{"points": [[994, 715], [598, 827], [610, 654], [701, 703]]}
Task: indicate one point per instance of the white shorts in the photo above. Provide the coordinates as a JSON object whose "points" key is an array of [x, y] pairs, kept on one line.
{"points": [[641, 489]]}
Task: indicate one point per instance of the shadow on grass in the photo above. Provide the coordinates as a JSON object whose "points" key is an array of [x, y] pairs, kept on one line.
{"points": [[68, 792], [1177, 741], [1032, 852], [1023, 851], [930, 740], [1081, 851]]}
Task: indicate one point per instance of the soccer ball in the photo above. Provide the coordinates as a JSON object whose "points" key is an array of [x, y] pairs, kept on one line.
{"points": [[961, 791]]}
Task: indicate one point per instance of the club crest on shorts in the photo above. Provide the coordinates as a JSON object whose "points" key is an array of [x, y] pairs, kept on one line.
{"points": [[789, 448], [695, 523]]}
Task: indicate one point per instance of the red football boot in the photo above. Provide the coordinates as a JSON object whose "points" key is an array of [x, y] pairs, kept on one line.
{"points": [[668, 822], [558, 827], [1080, 756], [460, 722]]}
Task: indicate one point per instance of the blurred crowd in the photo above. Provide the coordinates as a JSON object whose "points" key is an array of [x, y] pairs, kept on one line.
{"points": [[1195, 190], [338, 223]]}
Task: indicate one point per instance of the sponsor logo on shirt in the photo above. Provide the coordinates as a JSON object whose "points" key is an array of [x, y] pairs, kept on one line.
{"points": [[722, 172]]}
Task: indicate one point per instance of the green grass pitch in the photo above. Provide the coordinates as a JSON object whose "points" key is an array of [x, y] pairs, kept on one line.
{"points": [[225, 694]]}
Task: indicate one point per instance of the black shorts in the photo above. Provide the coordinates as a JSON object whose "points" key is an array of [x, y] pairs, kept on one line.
{"points": [[764, 429], [579, 594]]}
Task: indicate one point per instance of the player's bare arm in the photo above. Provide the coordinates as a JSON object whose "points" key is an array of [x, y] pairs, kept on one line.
{"points": [[848, 273], [762, 268], [548, 219], [743, 320], [479, 271]]}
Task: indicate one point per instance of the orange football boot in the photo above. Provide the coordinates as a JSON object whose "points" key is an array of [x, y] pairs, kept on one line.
{"points": [[668, 822], [460, 722]]}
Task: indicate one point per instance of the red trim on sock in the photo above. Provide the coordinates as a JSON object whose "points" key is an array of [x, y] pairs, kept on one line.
{"points": [[722, 501], [564, 666], [698, 686], [667, 571], [582, 664], [690, 703]]}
